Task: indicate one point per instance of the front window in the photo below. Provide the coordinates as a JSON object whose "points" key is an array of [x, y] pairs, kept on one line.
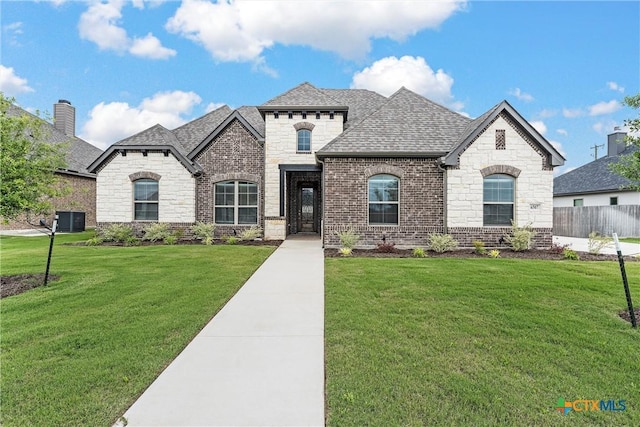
{"points": [[145, 200], [498, 199], [304, 141], [236, 202], [383, 200]]}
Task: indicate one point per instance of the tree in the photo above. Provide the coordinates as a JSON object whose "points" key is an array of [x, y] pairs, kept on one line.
{"points": [[27, 163], [628, 165]]}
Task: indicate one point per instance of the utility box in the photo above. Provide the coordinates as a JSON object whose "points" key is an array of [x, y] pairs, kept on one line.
{"points": [[70, 222]]}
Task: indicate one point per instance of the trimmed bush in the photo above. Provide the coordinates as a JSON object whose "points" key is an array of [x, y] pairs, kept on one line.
{"points": [[348, 238], [597, 242], [521, 238], [204, 232], [442, 243]]}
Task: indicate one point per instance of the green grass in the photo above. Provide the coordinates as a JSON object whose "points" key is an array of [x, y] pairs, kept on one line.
{"points": [[81, 350], [482, 342], [630, 239]]}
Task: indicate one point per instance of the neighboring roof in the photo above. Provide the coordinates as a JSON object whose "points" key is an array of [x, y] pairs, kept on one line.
{"points": [[304, 95], [594, 177], [478, 126], [80, 153], [405, 124]]}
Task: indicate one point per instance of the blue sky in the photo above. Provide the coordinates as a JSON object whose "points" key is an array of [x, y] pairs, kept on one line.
{"points": [[127, 65]]}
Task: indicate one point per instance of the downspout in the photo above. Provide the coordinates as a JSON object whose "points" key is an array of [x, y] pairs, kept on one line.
{"points": [[444, 195], [323, 200]]}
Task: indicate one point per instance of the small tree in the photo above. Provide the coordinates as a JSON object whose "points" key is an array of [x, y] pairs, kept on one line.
{"points": [[628, 165], [27, 163]]}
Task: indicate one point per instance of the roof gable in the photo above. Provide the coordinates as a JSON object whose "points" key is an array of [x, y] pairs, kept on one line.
{"points": [[405, 124], [477, 126], [304, 95], [191, 134]]}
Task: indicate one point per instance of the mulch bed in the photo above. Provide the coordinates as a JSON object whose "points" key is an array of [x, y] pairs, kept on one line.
{"points": [[14, 285], [625, 315]]}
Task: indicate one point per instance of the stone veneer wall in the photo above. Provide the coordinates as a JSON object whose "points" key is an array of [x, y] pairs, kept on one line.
{"points": [[235, 154], [114, 188], [500, 151], [280, 148], [81, 198], [346, 200]]}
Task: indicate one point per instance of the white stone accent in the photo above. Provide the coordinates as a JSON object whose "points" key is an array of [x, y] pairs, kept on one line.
{"points": [[281, 145], [114, 189], [602, 199], [534, 186], [274, 229]]}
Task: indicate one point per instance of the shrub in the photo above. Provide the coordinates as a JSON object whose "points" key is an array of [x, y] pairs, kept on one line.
{"points": [[94, 241], [386, 247], [204, 232], [442, 243], [598, 242], [157, 231], [348, 238], [119, 233], [494, 253], [345, 251], [231, 240], [418, 253], [521, 238], [170, 240], [570, 254], [558, 249], [478, 247], [132, 241], [252, 233]]}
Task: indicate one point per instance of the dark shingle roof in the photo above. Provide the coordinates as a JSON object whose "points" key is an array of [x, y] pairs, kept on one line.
{"points": [[406, 123], [80, 153], [361, 102], [304, 95], [193, 133], [155, 135], [593, 177], [253, 117]]}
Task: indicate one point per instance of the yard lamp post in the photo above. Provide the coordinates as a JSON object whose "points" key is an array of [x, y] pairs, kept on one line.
{"points": [[625, 281], [53, 235]]}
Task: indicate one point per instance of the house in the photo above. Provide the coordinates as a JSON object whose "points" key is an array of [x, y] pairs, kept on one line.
{"points": [[594, 184], [325, 160], [81, 183]]}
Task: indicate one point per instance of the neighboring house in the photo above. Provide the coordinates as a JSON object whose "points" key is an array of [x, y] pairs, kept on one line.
{"points": [[80, 182], [325, 160], [594, 184]]}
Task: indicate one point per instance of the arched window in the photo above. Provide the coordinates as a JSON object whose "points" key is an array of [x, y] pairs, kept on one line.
{"points": [[384, 200], [236, 202], [499, 196], [304, 141], [145, 199]]}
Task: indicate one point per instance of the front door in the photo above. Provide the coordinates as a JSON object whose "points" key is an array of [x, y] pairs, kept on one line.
{"points": [[307, 222]]}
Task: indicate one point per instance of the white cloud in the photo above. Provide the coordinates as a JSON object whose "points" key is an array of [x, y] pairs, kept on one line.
{"points": [[614, 86], [387, 75], [602, 108], [241, 30], [539, 126], [572, 113], [100, 24], [604, 127], [522, 96], [165, 108], [11, 33], [562, 170], [213, 106], [11, 84], [546, 113], [562, 132]]}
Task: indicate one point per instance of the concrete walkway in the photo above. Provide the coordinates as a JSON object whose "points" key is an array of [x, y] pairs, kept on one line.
{"points": [[260, 361]]}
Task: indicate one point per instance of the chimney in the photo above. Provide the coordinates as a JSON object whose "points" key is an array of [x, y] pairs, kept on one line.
{"points": [[615, 142], [64, 117]]}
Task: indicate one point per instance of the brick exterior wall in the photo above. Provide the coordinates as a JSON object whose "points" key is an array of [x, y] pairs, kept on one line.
{"points": [[421, 210], [234, 155], [81, 198], [491, 236]]}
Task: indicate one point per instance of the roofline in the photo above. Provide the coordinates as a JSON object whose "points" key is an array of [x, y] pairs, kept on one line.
{"points": [[395, 154], [192, 168], [265, 108], [230, 118], [611, 190], [452, 159], [76, 173]]}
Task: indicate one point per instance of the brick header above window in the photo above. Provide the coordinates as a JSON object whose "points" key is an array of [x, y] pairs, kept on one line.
{"points": [[304, 125], [144, 174], [503, 169]]}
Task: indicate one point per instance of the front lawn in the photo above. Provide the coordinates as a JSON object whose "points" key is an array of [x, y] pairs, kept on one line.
{"points": [[482, 342], [80, 351]]}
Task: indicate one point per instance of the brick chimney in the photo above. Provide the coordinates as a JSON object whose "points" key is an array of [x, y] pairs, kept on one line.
{"points": [[64, 117], [615, 142]]}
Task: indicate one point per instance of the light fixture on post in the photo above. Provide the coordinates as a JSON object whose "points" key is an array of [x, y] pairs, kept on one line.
{"points": [[53, 235]]}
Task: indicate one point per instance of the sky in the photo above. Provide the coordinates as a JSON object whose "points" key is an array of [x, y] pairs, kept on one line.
{"points": [[565, 66]]}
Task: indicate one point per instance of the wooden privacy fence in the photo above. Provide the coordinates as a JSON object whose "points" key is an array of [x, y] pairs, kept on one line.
{"points": [[579, 221]]}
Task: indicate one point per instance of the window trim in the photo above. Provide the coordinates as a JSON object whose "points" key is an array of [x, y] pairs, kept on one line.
{"points": [[512, 203], [613, 201], [396, 202], [146, 202], [299, 132], [578, 203], [236, 202]]}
